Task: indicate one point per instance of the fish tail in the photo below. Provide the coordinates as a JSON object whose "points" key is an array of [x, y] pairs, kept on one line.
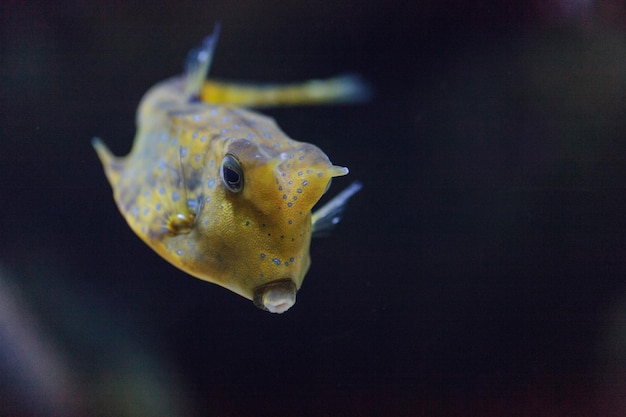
{"points": [[341, 89], [198, 63], [347, 88]]}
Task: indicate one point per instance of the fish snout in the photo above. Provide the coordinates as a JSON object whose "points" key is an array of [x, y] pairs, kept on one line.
{"points": [[276, 296]]}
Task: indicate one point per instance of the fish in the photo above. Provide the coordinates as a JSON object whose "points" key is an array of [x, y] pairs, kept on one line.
{"points": [[219, 190]]}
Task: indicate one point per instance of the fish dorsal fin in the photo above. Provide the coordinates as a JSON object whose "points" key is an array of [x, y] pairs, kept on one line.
{"points": [[198, 63]]}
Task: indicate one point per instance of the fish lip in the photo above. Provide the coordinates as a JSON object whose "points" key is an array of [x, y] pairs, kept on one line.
{"points": [[276, 296]]}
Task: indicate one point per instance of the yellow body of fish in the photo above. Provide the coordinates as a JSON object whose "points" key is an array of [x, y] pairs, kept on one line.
{"points": [[221, 192]]}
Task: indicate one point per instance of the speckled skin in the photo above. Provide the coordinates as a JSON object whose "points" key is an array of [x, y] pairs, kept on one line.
{"points": [[170, 191]]}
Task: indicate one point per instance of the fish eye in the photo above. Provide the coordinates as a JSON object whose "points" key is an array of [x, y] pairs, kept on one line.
{"points": [[232, 174]]}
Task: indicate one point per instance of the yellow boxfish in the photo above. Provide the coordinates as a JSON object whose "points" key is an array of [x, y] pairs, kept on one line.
{"points": [[221, 192]]}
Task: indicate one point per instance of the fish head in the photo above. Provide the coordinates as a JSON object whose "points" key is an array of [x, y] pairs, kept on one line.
{"points": [[269, 192]]}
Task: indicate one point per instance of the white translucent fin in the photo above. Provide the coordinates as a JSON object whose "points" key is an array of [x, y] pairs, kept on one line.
{"points": [[198, 63], [327, 216]]}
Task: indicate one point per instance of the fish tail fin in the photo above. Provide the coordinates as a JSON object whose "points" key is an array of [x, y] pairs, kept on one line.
{"points": [[347, 88], [198, 63], [327, 216], [109, 161]]}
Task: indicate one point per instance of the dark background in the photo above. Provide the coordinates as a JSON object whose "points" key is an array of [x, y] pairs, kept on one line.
{"points": [[479, 272]]}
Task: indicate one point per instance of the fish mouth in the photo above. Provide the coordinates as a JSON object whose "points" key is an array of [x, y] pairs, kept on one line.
{"points": [[276, 296]]}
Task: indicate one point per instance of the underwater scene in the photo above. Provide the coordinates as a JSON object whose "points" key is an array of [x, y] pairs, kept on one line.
{"points": [[313, 208]]}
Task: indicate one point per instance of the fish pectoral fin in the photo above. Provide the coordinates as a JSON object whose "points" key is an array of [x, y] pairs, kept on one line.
{"points": [[341, 89], [327, 216], [180, 223], [198, 63], [189, 203], [167, 201]]}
